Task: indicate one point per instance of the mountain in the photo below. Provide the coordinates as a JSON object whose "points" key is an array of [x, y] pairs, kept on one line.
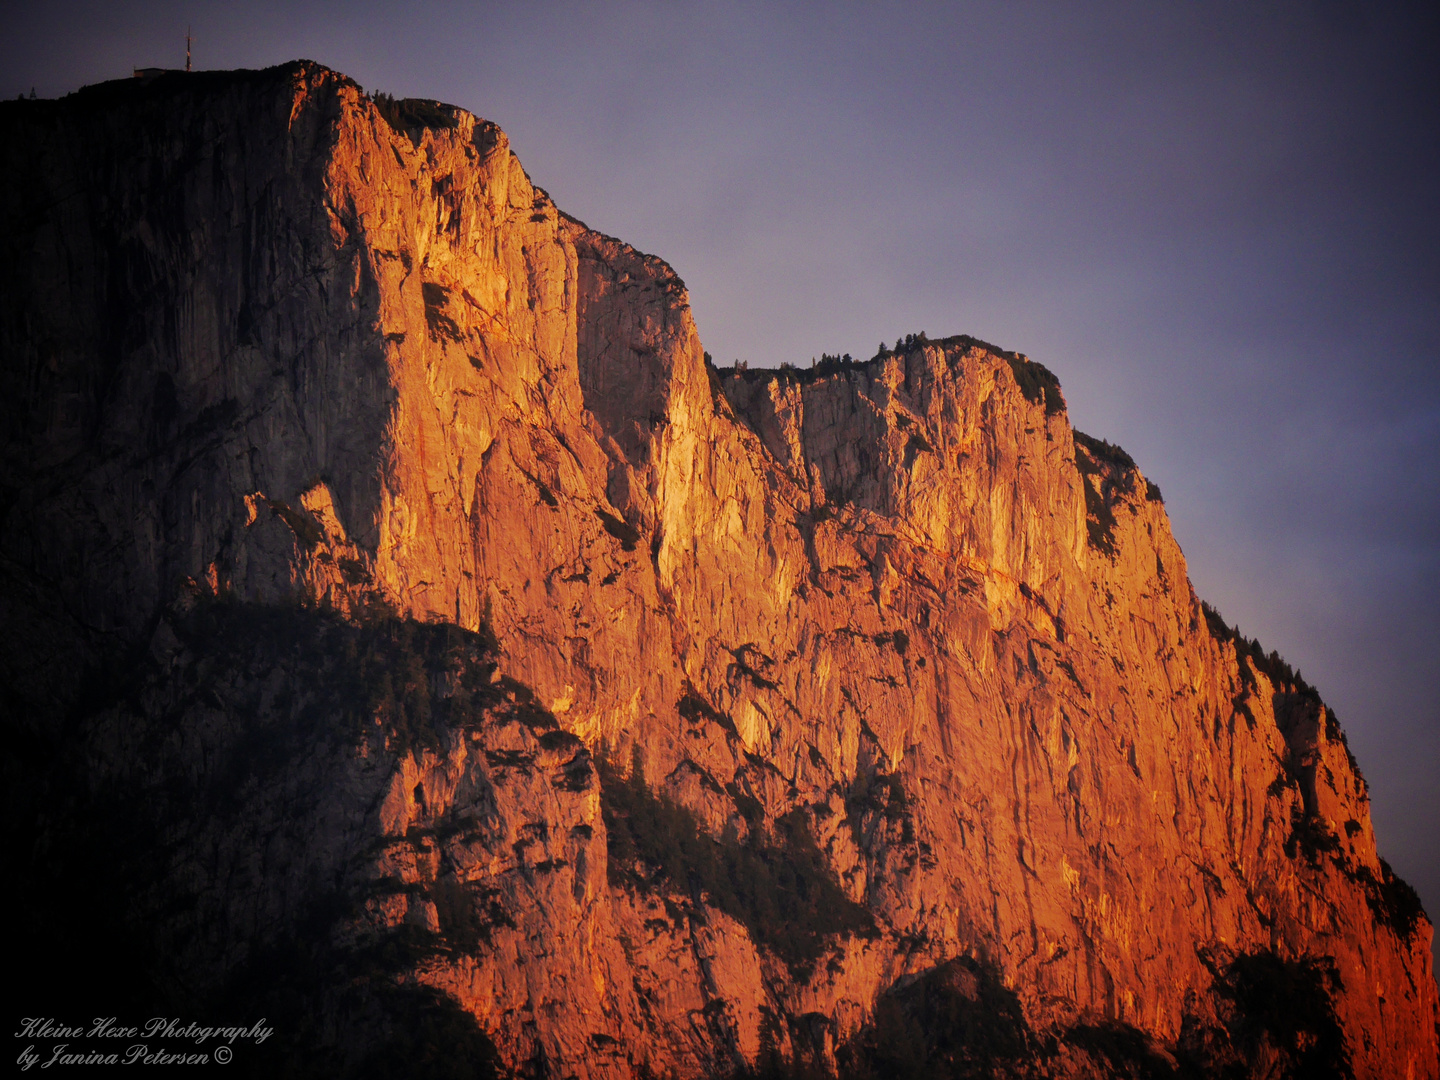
{"points": [[412, 638]]}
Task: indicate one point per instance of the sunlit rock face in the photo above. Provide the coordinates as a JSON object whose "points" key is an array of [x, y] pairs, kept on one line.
{"points": [[391, 581]]}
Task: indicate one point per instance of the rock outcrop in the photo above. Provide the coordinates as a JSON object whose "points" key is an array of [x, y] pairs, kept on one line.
{"points": [[402, 615]]}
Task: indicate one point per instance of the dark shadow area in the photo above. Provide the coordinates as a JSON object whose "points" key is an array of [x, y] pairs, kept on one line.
{"points": [[127, 894], [776, 883]]}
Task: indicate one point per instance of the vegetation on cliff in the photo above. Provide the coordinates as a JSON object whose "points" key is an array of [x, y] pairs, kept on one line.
{"points": [[411, 116], [959, 1021], [1107, 472]]}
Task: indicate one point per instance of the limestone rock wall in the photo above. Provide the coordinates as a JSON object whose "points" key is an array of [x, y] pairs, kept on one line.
{"points": [[263, 343]]}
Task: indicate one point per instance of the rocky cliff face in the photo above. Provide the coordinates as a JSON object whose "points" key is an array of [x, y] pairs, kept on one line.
{"points": [[405, 626]]}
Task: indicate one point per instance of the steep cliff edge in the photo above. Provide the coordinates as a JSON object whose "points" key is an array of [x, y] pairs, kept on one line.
{"points": [[403, 620]]}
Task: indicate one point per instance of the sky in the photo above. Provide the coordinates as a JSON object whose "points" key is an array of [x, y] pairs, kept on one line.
{"points": [[1216, 223]]}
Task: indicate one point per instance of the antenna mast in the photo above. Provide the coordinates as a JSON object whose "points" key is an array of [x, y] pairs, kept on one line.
{"points": [[187, 48]]}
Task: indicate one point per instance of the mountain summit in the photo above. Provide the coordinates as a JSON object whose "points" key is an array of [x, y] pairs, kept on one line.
{"points": [[410, 637]]}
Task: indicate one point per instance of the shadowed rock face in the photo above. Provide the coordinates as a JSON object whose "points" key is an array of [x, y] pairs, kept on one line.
{"points": [[354, 497]]}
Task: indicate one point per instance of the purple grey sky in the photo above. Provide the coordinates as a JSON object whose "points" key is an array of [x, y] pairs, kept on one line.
{"points": [[1218, 225]]}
